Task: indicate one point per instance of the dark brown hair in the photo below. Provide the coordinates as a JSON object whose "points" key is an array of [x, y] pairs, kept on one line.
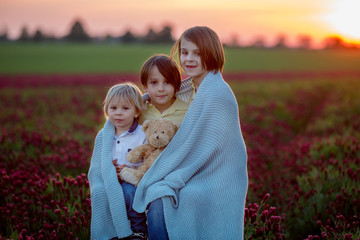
{"points": [[209, 44], [167, 67]]}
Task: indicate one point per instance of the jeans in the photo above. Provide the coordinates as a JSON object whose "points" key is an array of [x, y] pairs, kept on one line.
{"points": [[156, 221], [137, 220]]}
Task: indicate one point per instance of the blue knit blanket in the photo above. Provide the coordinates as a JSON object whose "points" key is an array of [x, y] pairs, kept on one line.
{"points": [[202, 174], [108, 211]]}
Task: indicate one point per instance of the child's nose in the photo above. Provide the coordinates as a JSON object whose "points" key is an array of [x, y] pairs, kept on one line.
{"points": [[161, 86], [190, 56]]}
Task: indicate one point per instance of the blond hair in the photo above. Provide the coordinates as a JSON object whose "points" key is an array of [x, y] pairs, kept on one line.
{"points": [[125, 92]]}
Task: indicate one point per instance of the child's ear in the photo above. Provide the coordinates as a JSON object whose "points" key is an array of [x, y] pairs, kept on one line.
{"points": [[137, 114], [176, 124]]}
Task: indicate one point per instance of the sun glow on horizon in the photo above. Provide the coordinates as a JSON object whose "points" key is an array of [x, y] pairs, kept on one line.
{"points": [[243, 21], [345, 19]]}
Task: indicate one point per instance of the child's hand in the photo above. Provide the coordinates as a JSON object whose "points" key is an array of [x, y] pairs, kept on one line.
{"points": [[118, 170], [114, 162]]}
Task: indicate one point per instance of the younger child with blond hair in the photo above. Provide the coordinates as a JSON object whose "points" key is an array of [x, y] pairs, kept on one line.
{"points": [[111, 203]]}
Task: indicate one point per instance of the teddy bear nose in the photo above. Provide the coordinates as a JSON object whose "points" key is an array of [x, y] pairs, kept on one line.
{"points": [[157, 137]]}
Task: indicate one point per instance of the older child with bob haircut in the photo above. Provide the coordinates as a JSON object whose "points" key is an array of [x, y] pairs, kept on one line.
{"points": [[161, 80], [111, 202], [201, 177]]}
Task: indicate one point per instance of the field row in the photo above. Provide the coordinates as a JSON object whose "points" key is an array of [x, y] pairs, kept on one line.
{"points": [[36, 80], [302, 136]]}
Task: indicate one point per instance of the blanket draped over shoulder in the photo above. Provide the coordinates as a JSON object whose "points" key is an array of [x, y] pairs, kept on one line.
{"points": [[202, 174], [108, 217]]}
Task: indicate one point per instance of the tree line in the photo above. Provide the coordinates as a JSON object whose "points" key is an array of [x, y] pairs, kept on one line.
{"points": [[77, 33]]}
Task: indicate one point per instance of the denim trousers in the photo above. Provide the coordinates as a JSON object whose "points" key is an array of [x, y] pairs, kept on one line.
{"points": [[155, 228], [137, 220], [156, 221]]}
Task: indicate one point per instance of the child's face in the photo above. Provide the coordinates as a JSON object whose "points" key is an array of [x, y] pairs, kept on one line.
{"points": [[122, 114], [191, 61], [161, 91]]}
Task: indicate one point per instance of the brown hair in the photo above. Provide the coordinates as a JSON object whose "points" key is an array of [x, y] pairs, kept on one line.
{"points": [[210, 47], [125, 92], [167, 67]]}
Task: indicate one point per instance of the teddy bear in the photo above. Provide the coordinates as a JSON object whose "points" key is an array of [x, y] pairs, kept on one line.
{"points": [[158, 133]]}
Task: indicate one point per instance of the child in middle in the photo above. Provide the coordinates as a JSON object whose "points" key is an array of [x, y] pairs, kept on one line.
{"points": [[166, 97], [161, 80]]}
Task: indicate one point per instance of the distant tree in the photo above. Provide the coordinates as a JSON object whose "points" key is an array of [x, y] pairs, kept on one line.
{"points": [[77, 33], [334, 42], [151, 36], [50, 38], [24, 35], [304, 42], [38, 36], [234, 40], [128, 37], [3, 34], [280, 41], [259, 42], [164, 36], [109, 38], [354, 46]]}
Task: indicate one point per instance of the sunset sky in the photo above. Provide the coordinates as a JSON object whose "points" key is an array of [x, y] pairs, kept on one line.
{"points": [[242, 18]]}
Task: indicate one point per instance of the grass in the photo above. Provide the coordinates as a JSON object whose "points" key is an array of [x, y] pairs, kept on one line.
{"points": [[276, 60], [74, 58], [54, 58]]}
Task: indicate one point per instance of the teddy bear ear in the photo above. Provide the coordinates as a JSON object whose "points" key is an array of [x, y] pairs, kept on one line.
{"points": [[145, 125], [177, 125]]}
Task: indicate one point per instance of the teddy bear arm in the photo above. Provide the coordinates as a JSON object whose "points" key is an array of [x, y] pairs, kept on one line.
{"points": [[137, 153]]}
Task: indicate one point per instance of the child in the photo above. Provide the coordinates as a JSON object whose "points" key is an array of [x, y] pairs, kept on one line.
{"points": [[161, 80], [111, 202], [166, 97], [199, 182]]}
